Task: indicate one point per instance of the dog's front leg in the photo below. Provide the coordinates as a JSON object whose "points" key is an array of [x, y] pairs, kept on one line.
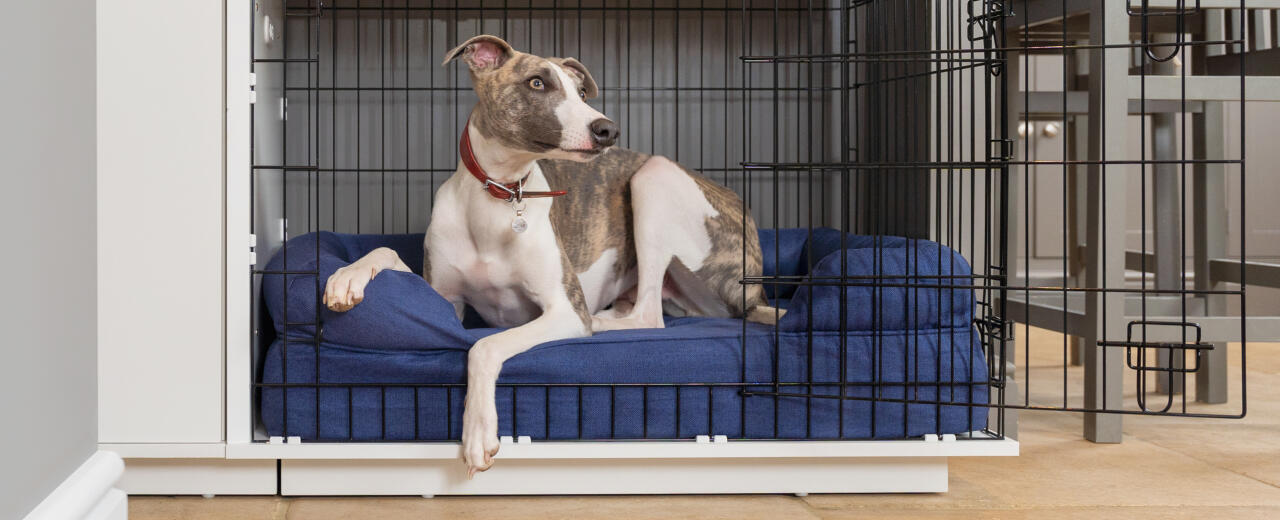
{"points": [[484, 362], [345, 287]]}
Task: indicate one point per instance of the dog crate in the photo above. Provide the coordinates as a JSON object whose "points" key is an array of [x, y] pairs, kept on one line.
{"points": [[878, 146]]}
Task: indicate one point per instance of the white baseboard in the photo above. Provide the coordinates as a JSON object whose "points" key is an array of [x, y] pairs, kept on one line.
{"points": [[113, 506], [88, 494]]}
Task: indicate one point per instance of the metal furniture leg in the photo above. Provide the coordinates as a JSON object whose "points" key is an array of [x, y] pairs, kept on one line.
{"points": [[1012, 392], [1210, 224], [1108, 24], [1077, 137], [1166, 222]]}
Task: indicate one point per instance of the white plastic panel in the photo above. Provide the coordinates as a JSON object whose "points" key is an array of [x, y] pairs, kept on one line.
{"points": [[160, 221], [198, 477], [586, 477], [658, 450]]}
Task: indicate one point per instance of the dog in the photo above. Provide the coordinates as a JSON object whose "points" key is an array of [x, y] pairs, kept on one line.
{"points": [[627, 237]]}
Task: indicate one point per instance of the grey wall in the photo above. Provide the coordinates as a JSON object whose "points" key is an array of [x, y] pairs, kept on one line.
{"points": [[47, 209], [672, 79], [891, 119]]}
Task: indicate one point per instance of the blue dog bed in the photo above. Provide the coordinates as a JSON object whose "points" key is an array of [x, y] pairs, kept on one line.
{"points": [[403, 350]]}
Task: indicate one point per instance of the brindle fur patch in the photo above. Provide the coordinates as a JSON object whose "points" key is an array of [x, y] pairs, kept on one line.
{"points": [[595, 216], [573, 288], [724, 266]]}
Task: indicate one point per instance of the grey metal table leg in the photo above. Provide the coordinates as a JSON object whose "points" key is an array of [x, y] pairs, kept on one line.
{"points": [[1077, 137], [1167, 224], [1210, 212], [1105, 211], [1012, 393]]}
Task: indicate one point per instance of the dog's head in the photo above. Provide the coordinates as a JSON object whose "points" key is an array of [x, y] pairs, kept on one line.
{"points": [[534, 104]]}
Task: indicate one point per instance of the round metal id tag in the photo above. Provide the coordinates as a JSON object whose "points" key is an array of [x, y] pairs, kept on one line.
{"points": [[519, 225]]}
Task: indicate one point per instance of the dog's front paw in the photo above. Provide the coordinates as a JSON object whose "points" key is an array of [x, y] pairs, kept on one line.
{"points": [[345, 287], [479, 444]]}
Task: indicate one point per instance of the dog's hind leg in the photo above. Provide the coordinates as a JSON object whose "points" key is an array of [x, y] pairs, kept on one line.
{"points": [[621, 306], [693, 246], [669, 215]]}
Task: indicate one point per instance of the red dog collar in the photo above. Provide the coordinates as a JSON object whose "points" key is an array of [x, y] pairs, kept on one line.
{"points": [[513, 191]]}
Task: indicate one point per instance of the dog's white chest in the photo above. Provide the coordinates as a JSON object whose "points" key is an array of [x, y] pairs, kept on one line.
{"points": [[492, 286], [480, 258], [490, 278]]}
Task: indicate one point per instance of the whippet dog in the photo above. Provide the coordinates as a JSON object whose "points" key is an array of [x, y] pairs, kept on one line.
{"points": [[628, 235]]}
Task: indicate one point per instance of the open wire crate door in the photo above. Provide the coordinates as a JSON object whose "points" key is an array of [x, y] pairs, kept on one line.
{"points": [[877, 118]]}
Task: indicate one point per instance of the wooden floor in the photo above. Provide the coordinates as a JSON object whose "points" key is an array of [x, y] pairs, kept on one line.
{"points": [[1165, 468]]}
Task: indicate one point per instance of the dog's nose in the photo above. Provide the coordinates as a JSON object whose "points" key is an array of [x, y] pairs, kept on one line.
{"points": [[604, 132]]}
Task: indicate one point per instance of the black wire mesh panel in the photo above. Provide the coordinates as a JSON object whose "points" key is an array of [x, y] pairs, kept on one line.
{"points": [[885, 130], [918, 155], [1142, 168]]}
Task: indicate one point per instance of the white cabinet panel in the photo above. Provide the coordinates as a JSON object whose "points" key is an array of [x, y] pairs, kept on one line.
{"points": [[160, 221]]}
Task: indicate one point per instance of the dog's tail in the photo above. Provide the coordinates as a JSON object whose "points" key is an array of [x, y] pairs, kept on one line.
{"points": [[765, 314]]}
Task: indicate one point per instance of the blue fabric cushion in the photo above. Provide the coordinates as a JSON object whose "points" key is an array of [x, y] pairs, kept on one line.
{"points": [[689, 350], [406, 334], [400, 310], [887, 283], [784, 252]]}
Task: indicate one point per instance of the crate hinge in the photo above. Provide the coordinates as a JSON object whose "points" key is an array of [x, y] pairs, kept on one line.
{"points": [[982, 22], [253, 243], [995, 327]]}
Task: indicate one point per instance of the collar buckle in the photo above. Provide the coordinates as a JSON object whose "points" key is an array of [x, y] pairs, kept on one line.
{"points": [[516, 195], [513, 192]]}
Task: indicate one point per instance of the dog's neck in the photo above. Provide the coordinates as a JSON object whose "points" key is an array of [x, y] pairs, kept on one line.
{"points": [[500, 163]]}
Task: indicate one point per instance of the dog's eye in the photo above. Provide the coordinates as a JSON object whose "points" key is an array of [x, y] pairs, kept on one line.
{"points": [[536, 83], [582, 93]]}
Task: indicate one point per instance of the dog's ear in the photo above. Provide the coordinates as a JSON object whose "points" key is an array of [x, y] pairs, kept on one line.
{"points": [[481, 53], [576, 67]]}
